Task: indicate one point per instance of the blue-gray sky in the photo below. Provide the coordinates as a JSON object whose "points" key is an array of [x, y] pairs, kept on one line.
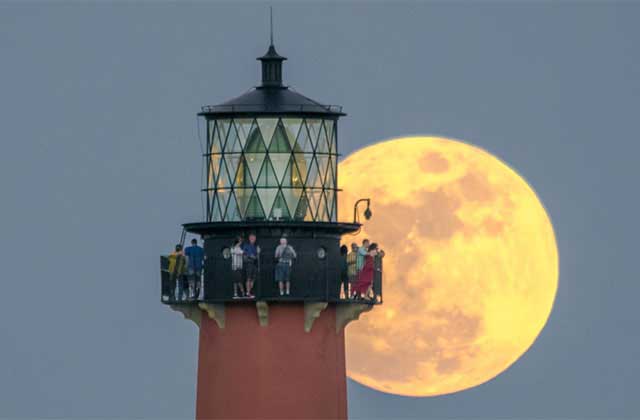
{"points": [[100, 164]]}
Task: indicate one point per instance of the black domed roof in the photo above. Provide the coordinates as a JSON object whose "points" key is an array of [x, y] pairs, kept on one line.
{"points": [[271, 97]]}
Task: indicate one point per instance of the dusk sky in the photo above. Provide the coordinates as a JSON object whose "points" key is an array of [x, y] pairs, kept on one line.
{"points": [[100, 165]]}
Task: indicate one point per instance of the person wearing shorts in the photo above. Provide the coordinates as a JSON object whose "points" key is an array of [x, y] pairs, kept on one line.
{"points": [[285, 254]]}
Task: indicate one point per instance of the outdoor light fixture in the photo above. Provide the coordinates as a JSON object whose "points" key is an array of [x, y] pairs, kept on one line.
{"points": [[367, 212]]}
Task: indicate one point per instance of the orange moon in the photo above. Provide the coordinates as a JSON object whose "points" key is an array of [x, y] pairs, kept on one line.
{"points": [[470, 272]]}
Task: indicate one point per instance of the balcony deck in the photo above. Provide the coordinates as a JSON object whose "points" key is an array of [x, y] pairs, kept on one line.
{"points": [[216, 286]]}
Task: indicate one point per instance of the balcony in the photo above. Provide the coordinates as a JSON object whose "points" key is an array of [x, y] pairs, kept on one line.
{"points": [[312, 280]]}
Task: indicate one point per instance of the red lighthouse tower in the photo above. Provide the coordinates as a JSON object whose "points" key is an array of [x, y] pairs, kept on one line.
{"points": [[269, 350]]}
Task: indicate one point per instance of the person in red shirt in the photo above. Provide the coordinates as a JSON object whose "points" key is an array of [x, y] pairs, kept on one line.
{"points": [[365, 276]]}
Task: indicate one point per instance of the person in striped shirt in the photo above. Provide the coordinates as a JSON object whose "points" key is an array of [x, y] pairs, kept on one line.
{"points": [[236, 267]]}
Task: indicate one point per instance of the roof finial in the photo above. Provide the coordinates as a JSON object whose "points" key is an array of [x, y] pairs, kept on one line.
{"points": [[271, 21]]}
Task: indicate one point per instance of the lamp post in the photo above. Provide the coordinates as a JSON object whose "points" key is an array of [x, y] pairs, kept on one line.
{"points": [[367, 211]]}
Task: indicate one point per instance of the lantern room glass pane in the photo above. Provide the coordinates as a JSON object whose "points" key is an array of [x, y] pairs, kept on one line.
{"points": [[254, 208], [279, 141], [243, 128], [267, 176], [233, 144], [314, 126], [292, 128], [267, 127], [329, 128], [222, 131], [280, 210], [322, 146], [304, 143]]}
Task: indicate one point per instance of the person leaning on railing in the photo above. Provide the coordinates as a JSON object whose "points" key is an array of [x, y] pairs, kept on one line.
{"points": [[343, 281], [177, 270], [352, 269], [362, 288]]}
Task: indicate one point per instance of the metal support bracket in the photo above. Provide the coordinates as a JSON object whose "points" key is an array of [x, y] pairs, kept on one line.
{"points": [[189, 311], [263, 313], [347, 312], [312, 311], [215, 312]]}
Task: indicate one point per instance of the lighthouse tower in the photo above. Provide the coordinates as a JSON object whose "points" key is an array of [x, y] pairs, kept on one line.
{"points": [[271, 165]]}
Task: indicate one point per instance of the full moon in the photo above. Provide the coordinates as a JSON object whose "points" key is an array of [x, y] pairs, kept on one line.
{"points": [[470, 272]]}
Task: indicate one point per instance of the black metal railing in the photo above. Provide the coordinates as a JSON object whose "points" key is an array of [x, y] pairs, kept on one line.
{"points": [[311, 279], [276, 107]]}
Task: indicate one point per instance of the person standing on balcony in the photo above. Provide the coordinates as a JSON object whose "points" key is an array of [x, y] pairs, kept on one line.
{"points": [[343, 281], [365, 276], [251, 263], [285, 255], [177, 270], [236, 267], [352, 268], [195, 263], [362, 253]]}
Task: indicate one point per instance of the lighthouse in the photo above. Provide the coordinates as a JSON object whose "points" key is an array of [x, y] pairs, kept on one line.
{"points": [[271, 164]]}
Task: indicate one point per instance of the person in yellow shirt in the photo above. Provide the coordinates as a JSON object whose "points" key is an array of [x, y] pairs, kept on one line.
{"points": [[177, 270]]}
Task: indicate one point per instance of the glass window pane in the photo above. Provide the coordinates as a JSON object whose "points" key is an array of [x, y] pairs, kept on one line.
{"points": [[280, 162], [214, 168], [255, 142], [329, 127], [233, 141], [223, 180], [292, 128], [304, 161], [241, 197], [322, 146], [313, 179], [267, 197], [330, 179], [223, 199], [233, 162], [303, 211], [216, 215], [267, 126], [322, 215], [254, 208], [267, 176], [233, 213], [331, 202], [323, 165], [254, 163], [216, 146], [280, 210], [292, 177], [279, 142], [243, 127], [304, 140], [222, 131], [292, 198], [314, 201], [314, 130]]}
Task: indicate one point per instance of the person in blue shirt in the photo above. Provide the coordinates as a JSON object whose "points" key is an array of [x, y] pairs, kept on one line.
{"points": [[195, 263], [251, 259]]}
